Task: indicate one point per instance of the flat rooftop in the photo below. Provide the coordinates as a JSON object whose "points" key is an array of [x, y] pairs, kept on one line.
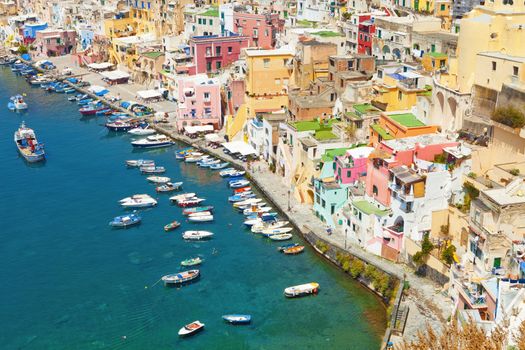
{"points": [[407, 119], [408, 143], [513, 193]]}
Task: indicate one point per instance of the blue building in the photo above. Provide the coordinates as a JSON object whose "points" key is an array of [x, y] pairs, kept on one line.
{"points": [[86, 37], [329, 197], [30, 29]]}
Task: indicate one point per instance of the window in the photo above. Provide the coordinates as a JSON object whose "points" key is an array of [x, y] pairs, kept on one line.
{"points": [[360, 216], [255, 33], [332, 209], [515, 71], [317, 199], [266, 63], [443, 7], [323, 203], [400, 95], [374, 190], [208, 51], [379, 73], [348, 173], [206, 95], [258, 23], [266, 32], [217, 50], [218, 64], [493, 65], [207, 111], [277, 81], [379, 33], [199, 21], [211, 22], [204, 21], [208, 66]]}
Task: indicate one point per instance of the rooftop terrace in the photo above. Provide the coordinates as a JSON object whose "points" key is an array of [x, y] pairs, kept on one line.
{"points": [[407, 119]]}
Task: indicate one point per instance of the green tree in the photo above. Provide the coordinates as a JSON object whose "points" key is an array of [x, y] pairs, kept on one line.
{"points": [[357, 267], [447, 255]]}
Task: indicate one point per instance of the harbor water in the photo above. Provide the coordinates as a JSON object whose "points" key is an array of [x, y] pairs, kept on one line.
{"points": [[69, 281]]}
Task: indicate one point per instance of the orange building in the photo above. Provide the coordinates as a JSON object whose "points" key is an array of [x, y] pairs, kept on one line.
{"points": [[397, 126]]}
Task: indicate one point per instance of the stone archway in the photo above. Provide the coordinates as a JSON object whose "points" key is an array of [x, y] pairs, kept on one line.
{"points": [[386, 49], [452, 105], [441, 100], [397, 53]]}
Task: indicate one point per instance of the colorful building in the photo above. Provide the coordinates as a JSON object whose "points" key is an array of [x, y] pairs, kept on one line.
{"points": [[213, 53], [397, 126], [330, 196], [261, 28], [199, 101], [352, 166], [30, 29], [366, 31], [55, 42]]}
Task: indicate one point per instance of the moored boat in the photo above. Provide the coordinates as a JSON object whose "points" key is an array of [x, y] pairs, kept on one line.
{"points": [[281, 237], [302, 290], [169, 187], [180, 278], [219, 166], [191, 328], [182, 196], [248, 201], [125, 220], [153, 141], [286, 246], [152, 169], [191, 202], [268, 226], [239, 183], [17, 103], [242, 189], [158, 179], [27, 144], [227, 172], [200, 218], [294, 250], [197, 235], [206, 208], [237, 319], [192, 261], [143, 130], [276, 231], [140, 163], [138, 201], [171, 226]]}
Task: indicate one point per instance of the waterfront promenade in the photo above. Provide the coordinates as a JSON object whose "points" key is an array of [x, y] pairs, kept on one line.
{"points": [[424, 298]]}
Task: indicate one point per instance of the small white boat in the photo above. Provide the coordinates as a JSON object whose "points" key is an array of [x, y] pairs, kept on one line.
{"points": [[180, 278], [191, 328], [253, 222], [256, 210], [138, 201], [302, 289], [227, 172], [268, 226], [249, 201], [141, 131], [277, 231], [140, 163], [158, 179], [239, 183], [201, 213], [200, 218], [152, 169], [197, 235], [281, 237], [182, 196]]}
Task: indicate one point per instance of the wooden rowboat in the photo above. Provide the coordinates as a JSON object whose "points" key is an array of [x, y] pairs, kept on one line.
{"points": [[294, 250]]}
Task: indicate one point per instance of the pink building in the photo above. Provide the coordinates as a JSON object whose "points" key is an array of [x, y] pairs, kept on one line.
{"points": [[262, 29], [235, 92], [55, 42], [352, 166], [199, 101], [211, 53], [399, 152]]}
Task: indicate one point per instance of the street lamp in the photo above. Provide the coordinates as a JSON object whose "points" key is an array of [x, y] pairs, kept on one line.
{"points": [[289, 194]]}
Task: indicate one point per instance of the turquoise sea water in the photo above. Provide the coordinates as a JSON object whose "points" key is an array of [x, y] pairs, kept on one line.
{"points": [[71, 282]]}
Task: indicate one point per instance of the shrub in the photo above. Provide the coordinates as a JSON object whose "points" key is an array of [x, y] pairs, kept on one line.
{"points": [[357, 267], [322, 246], [440, 158], [472, 175], [370, 272], [514, 172], [426, 247], [510, 116], [447, 255]]}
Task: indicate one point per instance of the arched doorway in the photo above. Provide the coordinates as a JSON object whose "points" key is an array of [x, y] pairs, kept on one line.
{"points": [[452, 105], [441, 100], [396, 53], [399, 224]]}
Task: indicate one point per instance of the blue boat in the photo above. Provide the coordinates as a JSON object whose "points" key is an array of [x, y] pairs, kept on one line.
{"points": [[237, 319], [125, 220], [84, 101], [240, 197], [219, 166]]}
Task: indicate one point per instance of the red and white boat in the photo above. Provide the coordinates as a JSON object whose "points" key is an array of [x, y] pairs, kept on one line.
{"points": [[242, 189], [191, 202], [191, 328]]}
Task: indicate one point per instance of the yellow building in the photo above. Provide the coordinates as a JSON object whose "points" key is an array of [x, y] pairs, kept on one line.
{"points": [[267, 77], [497, 27], [434, 61], [397, 90]]}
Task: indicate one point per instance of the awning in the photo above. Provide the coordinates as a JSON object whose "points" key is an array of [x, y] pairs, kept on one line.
{"points": [[213, 138], [100, 66], [239, 147], [96, 88], [198, 128], [146, 94], [410, 75], [115, 75]]}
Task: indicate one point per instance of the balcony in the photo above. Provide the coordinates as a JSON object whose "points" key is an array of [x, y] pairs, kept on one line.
{"points": [[472, 297]]}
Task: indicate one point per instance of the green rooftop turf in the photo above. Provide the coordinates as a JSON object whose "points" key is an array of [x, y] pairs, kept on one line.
{"points": [[438, 55], [331, 153], [312, 125], [381, 132], [153, 55], [364, 108], [213, 12], [368, 208], [353, 116], [322, 135], [326, 34], [407, 119], [306, 23]]}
